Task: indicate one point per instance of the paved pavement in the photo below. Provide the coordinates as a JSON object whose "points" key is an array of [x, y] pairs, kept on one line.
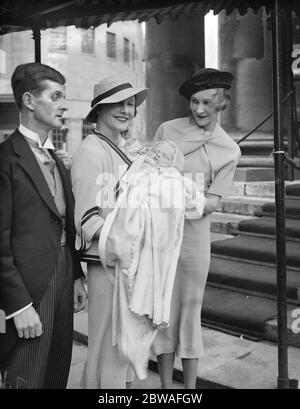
{"points": [[78, 360], [230, 362]]}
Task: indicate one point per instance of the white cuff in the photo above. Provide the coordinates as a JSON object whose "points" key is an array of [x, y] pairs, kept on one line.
{"points": [[18, 312]]}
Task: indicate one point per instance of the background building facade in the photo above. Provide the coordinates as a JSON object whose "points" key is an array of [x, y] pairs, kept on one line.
{"points": [[84, 56]]}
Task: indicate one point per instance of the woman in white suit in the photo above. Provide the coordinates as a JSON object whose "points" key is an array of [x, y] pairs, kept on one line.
{"points": [[98, 165]]}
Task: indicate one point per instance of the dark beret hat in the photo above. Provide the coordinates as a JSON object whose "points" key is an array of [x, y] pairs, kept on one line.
{"points": [[205, 78]]}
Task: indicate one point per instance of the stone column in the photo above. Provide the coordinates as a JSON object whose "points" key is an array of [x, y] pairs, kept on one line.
{"points": [[245, 49], [174, 50]]}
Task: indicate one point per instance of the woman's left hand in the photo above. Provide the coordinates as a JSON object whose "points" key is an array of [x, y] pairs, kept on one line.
{"points": [[212, 203]]}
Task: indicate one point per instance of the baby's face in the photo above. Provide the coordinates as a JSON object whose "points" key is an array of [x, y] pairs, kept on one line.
{"points": [[162, 154]]}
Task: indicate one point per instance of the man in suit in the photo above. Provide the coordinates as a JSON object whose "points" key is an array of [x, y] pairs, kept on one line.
{"points": [[40, 272]]}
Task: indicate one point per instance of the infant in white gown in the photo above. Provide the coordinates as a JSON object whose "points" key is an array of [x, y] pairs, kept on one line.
{"points": [[142, 238], [165, 158]]}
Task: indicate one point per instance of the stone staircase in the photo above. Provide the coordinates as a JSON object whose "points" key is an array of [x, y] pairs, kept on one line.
{"points": [[241, 290], [246, 199], [256, 162], [259, 144]]}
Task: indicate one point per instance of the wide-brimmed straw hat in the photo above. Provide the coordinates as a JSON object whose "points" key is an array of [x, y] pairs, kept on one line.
{"points": [[111, 90]]}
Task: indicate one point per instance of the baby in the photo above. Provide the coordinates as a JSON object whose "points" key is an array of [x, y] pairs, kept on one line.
{"points": [[163, 158], [166, 154]]}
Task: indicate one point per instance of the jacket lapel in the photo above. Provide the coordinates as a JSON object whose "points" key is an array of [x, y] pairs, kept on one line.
{"points": [[30, 165]]}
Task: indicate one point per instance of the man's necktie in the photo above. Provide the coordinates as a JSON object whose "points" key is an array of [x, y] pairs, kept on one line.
{"points": [[47, 162]]}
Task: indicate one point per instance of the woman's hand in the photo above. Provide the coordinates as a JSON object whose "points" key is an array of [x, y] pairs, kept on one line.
{"points": [[212, 203]]}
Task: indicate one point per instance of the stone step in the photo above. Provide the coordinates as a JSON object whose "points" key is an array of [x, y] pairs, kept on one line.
{"points": [[244, 313], [216, 236], [255, 136], [258, 189], [251, 174], [266, 226], [259, 249], [226, 223], [233, 224], [293, 189], [293, 327], [246, 205], [256, 161], [259, 138], [263, 188], [258, 147], [248, 275], [292, 208]]}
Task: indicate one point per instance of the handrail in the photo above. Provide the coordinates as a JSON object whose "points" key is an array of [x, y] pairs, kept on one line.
{"points": [[295, 119], [254, 129]]}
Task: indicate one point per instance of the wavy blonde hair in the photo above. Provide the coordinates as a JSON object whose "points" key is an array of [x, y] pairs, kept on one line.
{"points": [[222, 99]]}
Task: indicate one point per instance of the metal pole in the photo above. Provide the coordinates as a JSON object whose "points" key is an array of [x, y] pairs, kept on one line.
{"points": [[289, 85], [277, 14], [36, 35]]}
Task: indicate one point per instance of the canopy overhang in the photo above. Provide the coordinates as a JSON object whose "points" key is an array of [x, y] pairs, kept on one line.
{"points": [[19, 14]]}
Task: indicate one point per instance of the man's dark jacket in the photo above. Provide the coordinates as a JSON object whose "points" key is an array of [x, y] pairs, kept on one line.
{"points": [[30, 231]]}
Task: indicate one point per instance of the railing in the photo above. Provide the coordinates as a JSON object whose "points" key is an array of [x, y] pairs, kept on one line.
{"points": [[294, 138], [268, 117]]}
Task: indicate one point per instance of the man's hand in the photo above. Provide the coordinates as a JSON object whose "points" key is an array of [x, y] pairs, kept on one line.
{"points": [[28, 323], [80, 295]]}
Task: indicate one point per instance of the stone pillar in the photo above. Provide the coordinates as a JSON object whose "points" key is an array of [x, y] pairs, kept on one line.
{"points": [[174, 50], [245, 49]]}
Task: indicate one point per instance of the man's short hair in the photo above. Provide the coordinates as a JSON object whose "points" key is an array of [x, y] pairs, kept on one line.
{"points": [[29, 78]]}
